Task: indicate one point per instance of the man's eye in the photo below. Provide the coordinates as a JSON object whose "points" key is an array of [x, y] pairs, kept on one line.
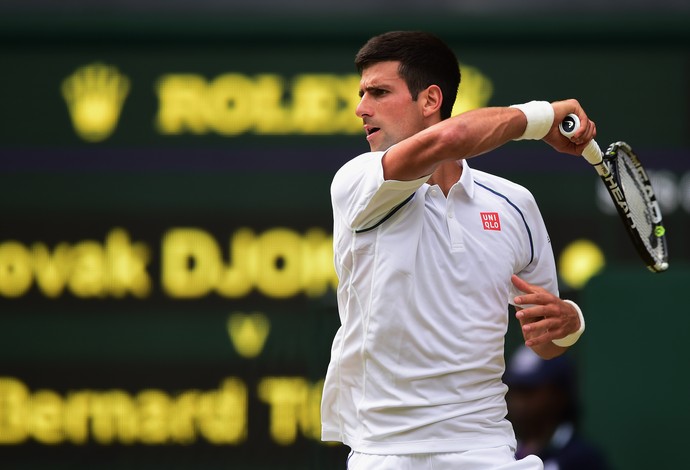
{"points": [[373, 92]]}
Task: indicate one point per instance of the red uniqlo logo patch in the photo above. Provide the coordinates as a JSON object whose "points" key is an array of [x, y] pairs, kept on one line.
{"points": [[490, 221]]}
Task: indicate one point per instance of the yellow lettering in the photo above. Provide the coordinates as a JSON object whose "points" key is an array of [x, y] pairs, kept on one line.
{"points": [[294, 406], [314, 104], [46, 417], [325, 104], [318, 271], [15, 269], [75, 417], [223, 413], [13, 417], [52, 271], [345, 120], [182, 102], [153, 417], [279, 263], [237, 279], [154, 409], [191, 263], [181, 420], [230, 104], [113, 417], [234, 103], [126, 265], [310, 415], [88, 269], [269, 111]]}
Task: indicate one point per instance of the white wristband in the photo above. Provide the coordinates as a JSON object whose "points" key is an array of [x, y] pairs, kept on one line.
{"points": [[539, 116], [573, 337]]}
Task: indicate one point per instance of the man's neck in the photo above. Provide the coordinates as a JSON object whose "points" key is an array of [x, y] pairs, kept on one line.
{"points": [[446, 175]]}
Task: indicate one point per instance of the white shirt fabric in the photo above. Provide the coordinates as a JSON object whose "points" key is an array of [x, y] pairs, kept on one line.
{"points": [[423, 298]]}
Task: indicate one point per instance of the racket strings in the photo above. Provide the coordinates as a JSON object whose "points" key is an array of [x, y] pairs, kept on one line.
{"points": [[639, 203]]}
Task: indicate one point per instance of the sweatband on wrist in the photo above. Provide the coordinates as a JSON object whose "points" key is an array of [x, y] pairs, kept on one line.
{"points": [[539, 116], [573, 337]]}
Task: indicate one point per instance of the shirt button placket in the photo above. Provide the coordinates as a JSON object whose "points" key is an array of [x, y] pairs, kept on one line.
{"points": [[455, 230]]}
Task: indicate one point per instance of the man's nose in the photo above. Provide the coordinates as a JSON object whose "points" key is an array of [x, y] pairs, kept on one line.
{"points": [[363, 108]]}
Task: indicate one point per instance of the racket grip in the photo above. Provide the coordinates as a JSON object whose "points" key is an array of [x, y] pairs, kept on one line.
{"points": [[592, 153], [568, 127]]}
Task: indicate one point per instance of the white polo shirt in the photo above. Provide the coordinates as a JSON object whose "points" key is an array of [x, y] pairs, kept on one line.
{"points": [[423, 298]]}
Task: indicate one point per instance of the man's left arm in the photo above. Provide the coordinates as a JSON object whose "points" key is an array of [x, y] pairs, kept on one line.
{"points": [[544, 318]]}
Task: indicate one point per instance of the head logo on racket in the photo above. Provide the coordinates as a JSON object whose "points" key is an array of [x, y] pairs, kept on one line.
{"points": [[569, 124]]}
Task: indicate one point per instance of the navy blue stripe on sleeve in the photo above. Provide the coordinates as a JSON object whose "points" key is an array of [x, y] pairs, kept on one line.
{"points": [[529, 232]]}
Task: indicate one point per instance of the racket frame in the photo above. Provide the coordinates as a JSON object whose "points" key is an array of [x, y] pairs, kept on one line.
{"points": [[606, 167], [608, 171]]}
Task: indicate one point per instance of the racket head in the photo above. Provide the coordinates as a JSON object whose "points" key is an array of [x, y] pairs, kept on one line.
{"points": [[635, 200]]}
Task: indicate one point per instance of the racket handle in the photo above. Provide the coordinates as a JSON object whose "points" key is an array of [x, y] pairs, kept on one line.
{"points": [[592, 153], [568, 127]]}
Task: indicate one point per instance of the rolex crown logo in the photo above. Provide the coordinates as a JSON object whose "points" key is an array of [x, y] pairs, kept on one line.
{"points": [[95, 94]]}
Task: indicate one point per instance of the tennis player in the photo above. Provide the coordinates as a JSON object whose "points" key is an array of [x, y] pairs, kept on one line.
{"points": [[429, 253]]}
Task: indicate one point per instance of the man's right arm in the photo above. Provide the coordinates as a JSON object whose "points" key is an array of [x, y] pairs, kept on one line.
{"points": [[476, 132]]}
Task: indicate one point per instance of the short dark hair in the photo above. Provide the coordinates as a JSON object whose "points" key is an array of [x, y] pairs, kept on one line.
{"points": [[424, 59]]}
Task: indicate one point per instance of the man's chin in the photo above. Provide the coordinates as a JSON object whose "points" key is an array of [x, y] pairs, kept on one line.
{"points": [[377, 146]]}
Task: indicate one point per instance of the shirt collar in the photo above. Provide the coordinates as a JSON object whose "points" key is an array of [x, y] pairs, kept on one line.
{"points": [[466, 180]]}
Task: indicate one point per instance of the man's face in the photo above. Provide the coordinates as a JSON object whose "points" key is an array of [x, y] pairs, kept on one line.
{"points": [[387, 109]]}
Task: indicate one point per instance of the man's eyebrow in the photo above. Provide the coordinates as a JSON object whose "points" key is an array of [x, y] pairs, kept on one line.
{"points": [[372, 87]]}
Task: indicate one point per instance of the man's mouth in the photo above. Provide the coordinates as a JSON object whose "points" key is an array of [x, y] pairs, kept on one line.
{"points": [[372, 130]]}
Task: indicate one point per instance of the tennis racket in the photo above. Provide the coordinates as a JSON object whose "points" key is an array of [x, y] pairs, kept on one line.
{"points": [[631, 191]]}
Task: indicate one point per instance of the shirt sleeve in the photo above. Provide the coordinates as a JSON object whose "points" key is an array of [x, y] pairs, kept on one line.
{"points": [[361, 196], [541, 270]]}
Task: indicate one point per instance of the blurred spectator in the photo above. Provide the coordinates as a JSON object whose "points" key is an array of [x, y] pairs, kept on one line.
{"points": [[543, 407]]}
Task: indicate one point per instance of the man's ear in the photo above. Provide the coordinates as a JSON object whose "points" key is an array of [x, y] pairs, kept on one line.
{"points": [[431, 101]]}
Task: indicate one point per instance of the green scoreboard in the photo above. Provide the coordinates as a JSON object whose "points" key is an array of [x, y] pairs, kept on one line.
{"points": [[166, 274]]}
